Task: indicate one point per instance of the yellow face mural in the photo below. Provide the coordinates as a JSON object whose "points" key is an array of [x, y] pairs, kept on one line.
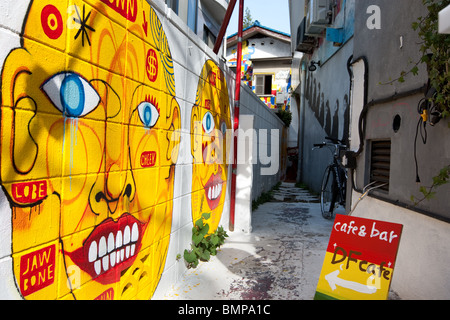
{"points": [[88, 150], [210, 121]]}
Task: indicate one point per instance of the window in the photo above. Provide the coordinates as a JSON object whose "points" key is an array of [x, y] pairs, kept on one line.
{"points": [[380, 166], [208, 37], [192, 15], [173, 4], [263, 84]]}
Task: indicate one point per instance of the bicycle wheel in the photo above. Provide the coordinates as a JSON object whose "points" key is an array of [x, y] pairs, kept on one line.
{"points": [[328, 193]]}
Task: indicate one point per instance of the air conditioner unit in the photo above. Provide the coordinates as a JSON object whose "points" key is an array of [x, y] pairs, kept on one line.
{"points": [[318, 17], [305, 43]]}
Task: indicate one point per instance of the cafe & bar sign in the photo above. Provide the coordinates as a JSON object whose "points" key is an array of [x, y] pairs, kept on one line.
{"points": [[360, 259]]}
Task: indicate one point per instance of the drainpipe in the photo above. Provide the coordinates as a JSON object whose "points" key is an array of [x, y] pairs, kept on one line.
{"points": [[301, 132], [224, 26], [237, 98]]}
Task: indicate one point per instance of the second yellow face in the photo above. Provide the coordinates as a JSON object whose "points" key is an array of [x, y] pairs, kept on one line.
{"points": [[210, 123]]}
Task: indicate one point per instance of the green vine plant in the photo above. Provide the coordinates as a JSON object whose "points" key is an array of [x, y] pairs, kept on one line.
{"points": [[435, 50], [435, 53], [429, 193], [204, 245]]}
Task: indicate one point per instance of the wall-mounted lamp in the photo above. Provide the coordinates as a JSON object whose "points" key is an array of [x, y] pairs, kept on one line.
{"points": [[312, 67]]}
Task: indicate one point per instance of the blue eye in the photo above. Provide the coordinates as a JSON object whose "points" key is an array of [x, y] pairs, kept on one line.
{"points": [[148, 114], [71, 94], [208, 122], [223, 128]]}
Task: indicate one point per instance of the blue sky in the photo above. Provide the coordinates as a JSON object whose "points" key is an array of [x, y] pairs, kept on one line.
{"points": [[270, 13]]}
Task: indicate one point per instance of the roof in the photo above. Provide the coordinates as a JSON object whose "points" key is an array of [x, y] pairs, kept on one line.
{"points": [[257, 28]]}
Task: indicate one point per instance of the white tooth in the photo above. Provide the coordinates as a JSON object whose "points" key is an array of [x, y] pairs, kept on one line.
{"points": [[133, 249], [127, 251], [215, 192], [117, 256], [93, 251], [105, 262], [126, 235], [209, 193], [98, 267], [110, 242], [112, 259], [134, 233], [122, 255], [119, 239], [102, 247]]}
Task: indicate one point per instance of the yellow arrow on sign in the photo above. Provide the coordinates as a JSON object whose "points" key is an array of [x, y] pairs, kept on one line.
{"points": [[334, 280]]}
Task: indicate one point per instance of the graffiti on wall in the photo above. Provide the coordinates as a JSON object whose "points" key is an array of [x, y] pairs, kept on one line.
{"points": [[332, 116], [247, 65], [88, 150], [210, 120]]}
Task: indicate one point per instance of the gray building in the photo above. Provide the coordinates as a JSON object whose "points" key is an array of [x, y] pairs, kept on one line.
{"points": [[353, 95], [321, 90], [203, 17]]}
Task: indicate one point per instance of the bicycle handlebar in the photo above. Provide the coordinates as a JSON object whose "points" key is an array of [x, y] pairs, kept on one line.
{"points": [[337, 144], [335, 141]]}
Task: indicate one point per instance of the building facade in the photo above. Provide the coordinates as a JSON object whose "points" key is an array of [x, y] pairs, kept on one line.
{"points": [[322, 91], [203, 17], [362, 55], [266, 63]]}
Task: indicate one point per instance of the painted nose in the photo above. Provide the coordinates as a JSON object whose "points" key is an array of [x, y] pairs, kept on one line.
{"points": [[113, 183], [116, 190]]}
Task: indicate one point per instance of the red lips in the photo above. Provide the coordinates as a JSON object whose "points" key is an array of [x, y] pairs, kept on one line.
{"points": [[214, 189], [111, 248]]}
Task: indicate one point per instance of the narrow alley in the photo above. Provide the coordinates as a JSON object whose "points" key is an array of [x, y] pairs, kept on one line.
{"points": [[280, 260]]}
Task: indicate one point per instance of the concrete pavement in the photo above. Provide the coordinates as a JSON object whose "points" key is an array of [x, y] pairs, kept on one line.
{"points": [[280, 260]]}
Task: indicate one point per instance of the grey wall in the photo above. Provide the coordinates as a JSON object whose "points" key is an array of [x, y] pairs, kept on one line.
{"points": [[264, 119], [386, 60], [382, 46], [326, 113]]}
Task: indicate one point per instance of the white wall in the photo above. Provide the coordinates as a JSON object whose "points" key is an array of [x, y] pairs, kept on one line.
{"points": [[421, 270]]}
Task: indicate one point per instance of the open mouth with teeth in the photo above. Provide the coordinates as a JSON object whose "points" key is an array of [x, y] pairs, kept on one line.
{"points": [[213, 189], [111, 248]]}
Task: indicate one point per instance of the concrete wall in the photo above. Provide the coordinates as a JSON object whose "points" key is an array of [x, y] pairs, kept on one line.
{"points": [[326, 109], [110, 148], [262, 156], [423, 253], [326, 113]]}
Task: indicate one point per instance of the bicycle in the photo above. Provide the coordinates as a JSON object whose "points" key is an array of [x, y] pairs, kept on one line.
{"points": [[334, 181]]}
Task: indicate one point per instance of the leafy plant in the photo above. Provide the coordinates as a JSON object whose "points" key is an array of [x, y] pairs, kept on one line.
{"points": [[435, 52], [204, 245], [428, 193], [285, 116], [265, 197]]}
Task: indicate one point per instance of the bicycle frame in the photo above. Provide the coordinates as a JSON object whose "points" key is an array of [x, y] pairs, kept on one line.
{"points": [[337, 173]]}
